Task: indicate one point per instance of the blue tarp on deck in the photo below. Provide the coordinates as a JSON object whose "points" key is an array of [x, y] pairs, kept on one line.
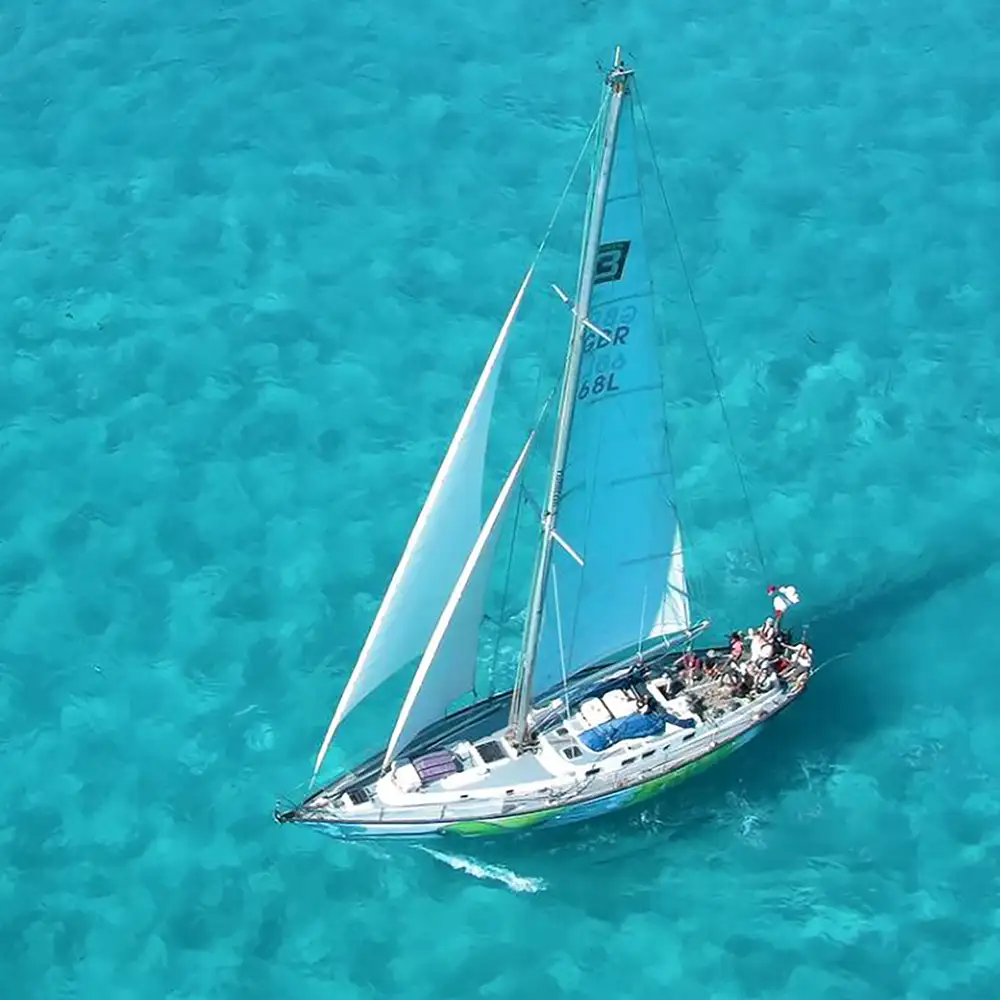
{"points": [[607, 734]]}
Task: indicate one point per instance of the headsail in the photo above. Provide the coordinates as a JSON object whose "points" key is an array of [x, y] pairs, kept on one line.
{"points": [[616, 504], [675, 606], [448, 667], [445, 532]]}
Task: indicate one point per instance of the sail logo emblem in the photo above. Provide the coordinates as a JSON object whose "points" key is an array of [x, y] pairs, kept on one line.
{"points": [[610, 262]]}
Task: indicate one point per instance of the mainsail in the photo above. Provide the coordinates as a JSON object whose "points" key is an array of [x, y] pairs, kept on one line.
{"points": [[448, 667], [619, 558], [444, 534]]}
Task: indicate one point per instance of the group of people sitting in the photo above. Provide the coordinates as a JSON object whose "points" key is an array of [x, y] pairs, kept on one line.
{"points": [[756, 662], [752, 667], [760, 659]]}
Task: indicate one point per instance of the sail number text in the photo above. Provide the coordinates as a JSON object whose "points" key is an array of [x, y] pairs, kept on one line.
{"points": [[592, 342], [610, 261], [597, 385], [598, 373], [604, 358]]}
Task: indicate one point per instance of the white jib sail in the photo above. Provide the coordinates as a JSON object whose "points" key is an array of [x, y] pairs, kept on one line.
{"points": [[445, 531], [448, 667]]}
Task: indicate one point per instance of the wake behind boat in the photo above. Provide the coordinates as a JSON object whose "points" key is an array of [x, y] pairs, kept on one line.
{"points": [[614, 699]]}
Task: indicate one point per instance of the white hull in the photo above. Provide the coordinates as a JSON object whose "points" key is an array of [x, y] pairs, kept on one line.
{"points": [[560, 779]]}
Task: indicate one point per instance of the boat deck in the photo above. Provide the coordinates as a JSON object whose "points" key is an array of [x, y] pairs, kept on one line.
{"points": [[520, 770], [693, 704]]}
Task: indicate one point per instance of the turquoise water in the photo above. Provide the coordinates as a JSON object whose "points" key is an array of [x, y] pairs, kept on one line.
{"points": [[251, 257]]}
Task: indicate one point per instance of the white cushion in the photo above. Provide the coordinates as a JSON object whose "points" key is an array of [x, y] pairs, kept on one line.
{"points": [[595, 712], [407, 779], [621, 703]]}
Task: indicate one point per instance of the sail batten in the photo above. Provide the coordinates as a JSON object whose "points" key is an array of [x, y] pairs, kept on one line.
{"points": [[445, 531]]}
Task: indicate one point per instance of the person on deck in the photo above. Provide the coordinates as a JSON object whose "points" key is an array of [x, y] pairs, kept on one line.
{"points": [[735, 647], [769, 630], [761, 649]]}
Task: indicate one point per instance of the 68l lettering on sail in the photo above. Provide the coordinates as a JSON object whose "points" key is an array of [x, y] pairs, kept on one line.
{"points": [[597, 386]]}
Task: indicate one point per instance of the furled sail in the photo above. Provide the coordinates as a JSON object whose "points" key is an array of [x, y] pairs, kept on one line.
{"points": [[445, 532]]}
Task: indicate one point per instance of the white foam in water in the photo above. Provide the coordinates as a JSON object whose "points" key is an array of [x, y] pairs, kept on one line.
{"points": [[495, 873]]}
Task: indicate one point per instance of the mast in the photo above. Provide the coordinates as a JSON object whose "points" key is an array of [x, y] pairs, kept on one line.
{"points": [[617, 80]]}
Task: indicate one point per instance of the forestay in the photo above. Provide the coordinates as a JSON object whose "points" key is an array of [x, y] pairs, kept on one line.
{"points": [[616, 509], [448, 667], [444, 534]]}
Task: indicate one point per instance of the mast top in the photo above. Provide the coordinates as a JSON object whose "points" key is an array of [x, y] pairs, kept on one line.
{"points": [[620, 73]]}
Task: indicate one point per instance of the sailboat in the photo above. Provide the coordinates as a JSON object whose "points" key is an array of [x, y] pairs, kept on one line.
{"points": [[614, 700]]}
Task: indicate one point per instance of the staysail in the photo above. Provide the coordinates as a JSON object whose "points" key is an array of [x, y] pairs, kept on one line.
{"points": [[616, 504], [444, 534], [448, 667]]}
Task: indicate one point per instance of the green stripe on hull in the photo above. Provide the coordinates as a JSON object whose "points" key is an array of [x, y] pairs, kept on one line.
{"points": [[502, 824], [594, 807], [664, 781]]}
